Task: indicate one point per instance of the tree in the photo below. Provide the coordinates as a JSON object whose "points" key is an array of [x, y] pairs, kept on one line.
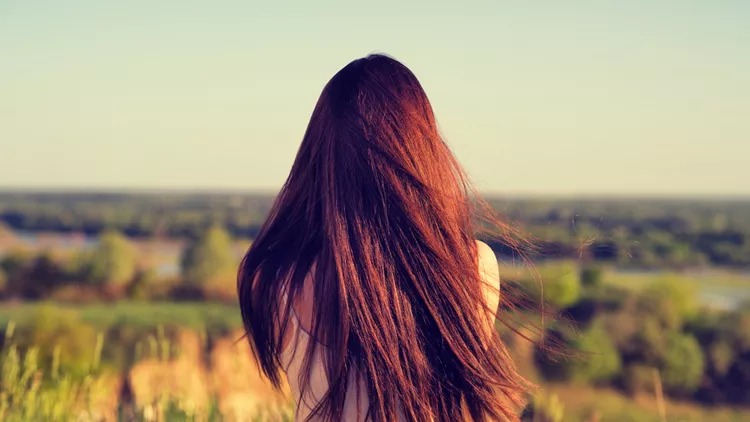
{"points": [[603, 361], [560, 286], [208, 257], [591, 276], [682, 364], [679, 292], [597, 359], [113, 261]]}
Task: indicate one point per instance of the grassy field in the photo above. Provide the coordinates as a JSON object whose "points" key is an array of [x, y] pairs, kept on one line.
{"points": [[580, 402], [138, 314]]}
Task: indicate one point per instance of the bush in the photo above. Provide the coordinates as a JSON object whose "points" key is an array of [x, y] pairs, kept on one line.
{"points": [[113, 262], [54, 329], [143, 286], [595, 358], [661, 308], [603, 362], [41, 279], [680, 293], [682, 364], [544, 408], [560, 286], [208, 257], [592, 276]]}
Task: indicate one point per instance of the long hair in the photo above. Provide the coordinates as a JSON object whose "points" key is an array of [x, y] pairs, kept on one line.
{"points": [[381, 216]]}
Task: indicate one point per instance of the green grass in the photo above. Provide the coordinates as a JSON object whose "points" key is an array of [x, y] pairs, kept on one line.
{"points": [[612, 406], [137, 314]]}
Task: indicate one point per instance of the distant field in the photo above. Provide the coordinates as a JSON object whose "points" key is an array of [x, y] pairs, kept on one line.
{"points": [[715, 287], [139, 314]]}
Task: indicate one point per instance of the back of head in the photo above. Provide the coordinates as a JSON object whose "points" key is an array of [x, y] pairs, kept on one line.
{"points": [[377, 207]]}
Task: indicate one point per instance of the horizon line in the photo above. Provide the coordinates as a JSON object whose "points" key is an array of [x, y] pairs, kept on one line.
{"points": [[272, 192]]}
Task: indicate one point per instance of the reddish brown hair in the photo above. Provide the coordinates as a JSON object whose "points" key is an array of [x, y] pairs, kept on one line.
{"points": [[377, 201]]}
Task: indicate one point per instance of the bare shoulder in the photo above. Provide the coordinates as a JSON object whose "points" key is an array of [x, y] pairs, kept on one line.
{"points": [[490, 274], [487, 261]]}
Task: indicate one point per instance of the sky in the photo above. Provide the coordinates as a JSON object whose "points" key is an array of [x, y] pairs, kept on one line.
{"points": [[613, 98]]}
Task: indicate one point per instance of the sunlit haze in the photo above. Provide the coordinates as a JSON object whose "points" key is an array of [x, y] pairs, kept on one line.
{"points": [[609, 98]]}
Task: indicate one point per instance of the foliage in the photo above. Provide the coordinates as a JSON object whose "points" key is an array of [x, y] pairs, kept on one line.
{"points": [[559, 287], [29, 392], [113, 261], [593, 357], [592, 276], [603, 361], [682, 364], [683, 296], [643, 233], [208, 257], [544, 408], [51, 329], [143, 286]]}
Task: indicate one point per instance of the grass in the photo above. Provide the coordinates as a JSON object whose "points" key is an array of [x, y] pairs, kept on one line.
{"points": [[612, 406], [27, 392], [137, 314]]}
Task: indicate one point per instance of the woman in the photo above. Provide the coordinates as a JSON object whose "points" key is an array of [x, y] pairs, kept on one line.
{"points": [[365, 286]]}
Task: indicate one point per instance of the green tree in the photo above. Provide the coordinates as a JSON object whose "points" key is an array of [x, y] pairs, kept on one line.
{"points": [[113, 261], [682, 364], [602, 361], [208, 257], [592, 276], [560, 286], [595, 360], [671, 300]]}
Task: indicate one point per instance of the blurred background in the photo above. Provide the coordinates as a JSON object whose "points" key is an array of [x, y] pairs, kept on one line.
{"points": [[142, 143]]}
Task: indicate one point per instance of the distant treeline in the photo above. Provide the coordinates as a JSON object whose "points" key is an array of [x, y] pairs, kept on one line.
{"points": [[635, 233]]}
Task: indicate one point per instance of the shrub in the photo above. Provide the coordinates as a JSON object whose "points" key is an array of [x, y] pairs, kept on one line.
{"points": [[681, 293], [595, 358], [209, 256], [113, 261], [53, 328], [682, 364], [40, 279], [661, 309], [544, 408], [560, 286], [143, 285], [603, 362], [592, 276]]}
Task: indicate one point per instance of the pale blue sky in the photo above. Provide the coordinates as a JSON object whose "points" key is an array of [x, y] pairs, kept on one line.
{"points": [[623, 97]]}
